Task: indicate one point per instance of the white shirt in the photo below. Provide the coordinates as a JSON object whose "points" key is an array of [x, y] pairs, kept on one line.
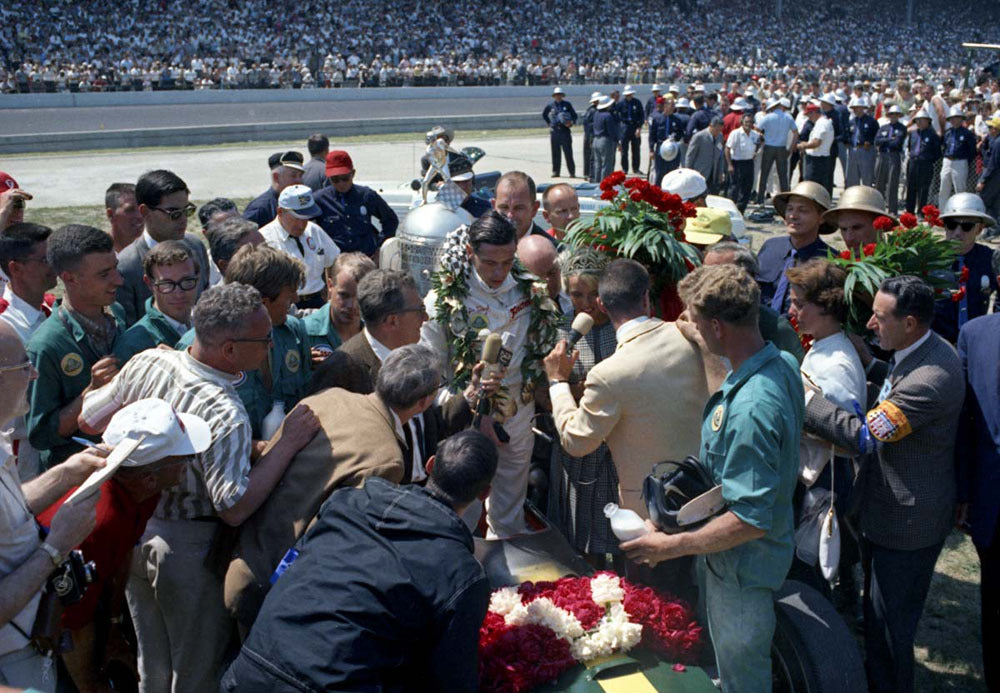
{"points": [[318, 251], [834, 365], [742, 145], [627, 327], [822, 131], [901, 354], [150, 241], [24, 318], [419, 473]]}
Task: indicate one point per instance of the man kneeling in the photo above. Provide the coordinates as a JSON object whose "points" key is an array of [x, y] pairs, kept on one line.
{"points": [[385, 594]]}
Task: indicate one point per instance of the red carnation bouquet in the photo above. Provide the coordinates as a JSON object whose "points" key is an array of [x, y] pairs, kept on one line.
{"points": [[909, 248], [643, 222], [536, 631]]}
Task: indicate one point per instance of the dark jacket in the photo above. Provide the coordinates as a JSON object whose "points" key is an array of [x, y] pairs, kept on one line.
{"points": [[979, 261], [263, 208], [347, 218], [385, 595]]}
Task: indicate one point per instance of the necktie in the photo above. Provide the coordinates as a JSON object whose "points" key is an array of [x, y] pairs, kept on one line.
{"points": [[781, 292], [419, 443], [963, 304], [887, 385], [298, 244], [407, 453]]}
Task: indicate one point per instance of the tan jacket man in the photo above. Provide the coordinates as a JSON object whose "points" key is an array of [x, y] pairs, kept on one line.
{"points": [[645, 401]]}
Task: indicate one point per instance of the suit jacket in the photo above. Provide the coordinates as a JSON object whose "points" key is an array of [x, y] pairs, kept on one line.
{"points": [[977, 451], [357, 439], [645, 401], [132, 294], [703, 155], [906, 484]]}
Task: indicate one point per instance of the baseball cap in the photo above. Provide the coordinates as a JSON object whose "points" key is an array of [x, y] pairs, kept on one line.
{"points": [[289, 159], [460, 168], [812, 108], [708, 226], [145, 432], [338, 162], [298, 199], [7, 181], [685, 182]]}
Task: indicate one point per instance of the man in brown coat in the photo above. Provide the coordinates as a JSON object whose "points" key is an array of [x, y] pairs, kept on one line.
{"points": [[359, 437]]}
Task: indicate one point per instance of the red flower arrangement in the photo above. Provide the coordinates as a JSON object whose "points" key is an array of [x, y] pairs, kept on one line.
{"points": [[884, 223], [535, 632], [907, 220]]}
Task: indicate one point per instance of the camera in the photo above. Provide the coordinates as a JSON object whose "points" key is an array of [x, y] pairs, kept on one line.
{"points": [[71, 578]]}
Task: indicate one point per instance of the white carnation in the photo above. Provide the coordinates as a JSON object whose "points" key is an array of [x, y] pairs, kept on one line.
{"points": [[505, 600], [613, 634], [606, 589], [544, 612]]}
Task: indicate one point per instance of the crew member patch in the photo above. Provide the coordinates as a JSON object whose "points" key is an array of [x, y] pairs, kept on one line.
{"points": [[292, 360], [888, 423], [71, 364], [717, 416]]}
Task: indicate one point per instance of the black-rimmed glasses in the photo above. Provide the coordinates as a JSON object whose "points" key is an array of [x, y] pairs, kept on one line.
{"points": [[166, 286]]}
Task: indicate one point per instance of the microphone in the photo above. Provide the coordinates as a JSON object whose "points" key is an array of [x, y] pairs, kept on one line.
{"points": [[582, 324], [490, 356]]}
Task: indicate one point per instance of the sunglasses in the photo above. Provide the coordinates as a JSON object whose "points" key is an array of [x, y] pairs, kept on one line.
{"points": [[952, 224], [175, 214], [341, 179]]}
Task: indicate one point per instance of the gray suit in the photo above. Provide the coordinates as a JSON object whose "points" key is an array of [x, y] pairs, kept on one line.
{"points": [[906, 495], [703, 155], [132, 294]]}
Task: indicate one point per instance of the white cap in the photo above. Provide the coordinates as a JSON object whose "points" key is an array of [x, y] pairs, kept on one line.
{"points": [[558, 90], [956, 112], [840, 95], [784, 102], [740, 104], [298, 199], [751, 90], [657, 87], [685, 182], [596, 96], [669, 150], [698, 87], [683, 102], [828, 98], [629, 89], [674, 89], [922, 113], [771, 103], [894, 109], [605, 103]]}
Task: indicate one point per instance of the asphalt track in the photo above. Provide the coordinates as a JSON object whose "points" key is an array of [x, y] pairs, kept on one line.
{"points": [[40, 121]]}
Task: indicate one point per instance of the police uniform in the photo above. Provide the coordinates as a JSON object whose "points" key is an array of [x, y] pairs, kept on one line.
{"points": [[506, 311], [317, 252], [559, 115], [950, 316], [661, 128], [476, 206], [347, 218], [153, 329], [630, 115], [606, 137], [889, 142], [861, 133], [959, 153], [841, 123], [290, 362], [588, 141], [750, 444], [63, 355], [924, 149], [322, 333]]}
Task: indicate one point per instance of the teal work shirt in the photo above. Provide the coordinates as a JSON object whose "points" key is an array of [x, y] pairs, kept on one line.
{"points": [[152, 330], [63, 357], [320, 329], [750, 443], [290, 372]]}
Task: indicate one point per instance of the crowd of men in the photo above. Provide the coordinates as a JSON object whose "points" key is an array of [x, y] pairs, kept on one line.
{"points": [[210, 44], [256, 407]]}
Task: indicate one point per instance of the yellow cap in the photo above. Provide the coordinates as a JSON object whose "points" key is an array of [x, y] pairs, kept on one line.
{"points": [[708, 226]]}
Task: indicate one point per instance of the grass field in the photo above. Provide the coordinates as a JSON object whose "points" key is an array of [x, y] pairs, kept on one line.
{"points": [[948, 645]]}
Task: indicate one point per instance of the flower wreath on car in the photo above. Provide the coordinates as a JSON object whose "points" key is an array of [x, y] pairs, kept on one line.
{"points": [[909, 248], [535, 632], [451, 289]]}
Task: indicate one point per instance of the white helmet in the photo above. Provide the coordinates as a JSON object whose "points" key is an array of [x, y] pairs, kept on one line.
{"points": [[669, 150]]}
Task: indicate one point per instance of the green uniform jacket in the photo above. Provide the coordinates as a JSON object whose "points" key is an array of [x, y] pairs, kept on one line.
{"points": [[320, 329], [750, 442], [63, 357], [151, 331], [290, 372]]}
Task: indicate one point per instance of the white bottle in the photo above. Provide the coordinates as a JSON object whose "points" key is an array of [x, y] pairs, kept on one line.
{"points": [[626, 524], [272, 422]]}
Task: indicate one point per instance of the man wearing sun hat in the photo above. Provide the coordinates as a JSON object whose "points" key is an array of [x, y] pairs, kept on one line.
{"points": [[588, 136], [607, 138], [959, 145], [923, 147], [560, 116], [631, 116], [165, 442], [802, 208], [293, 233], [888, 163], [855, 214], [861, 131]]}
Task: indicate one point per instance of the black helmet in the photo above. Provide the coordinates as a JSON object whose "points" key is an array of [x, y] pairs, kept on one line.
{"points": [[681, 496]]}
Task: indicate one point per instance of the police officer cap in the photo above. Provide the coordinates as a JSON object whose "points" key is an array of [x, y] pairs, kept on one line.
{"points": [[656, 88], [674, 89], [558, 91], [605, 103], [596, 96], [460, 168], [629, 90], [683, 102], [289, 159]]}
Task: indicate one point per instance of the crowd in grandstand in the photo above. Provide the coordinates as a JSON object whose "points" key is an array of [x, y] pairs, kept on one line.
{"points": [[52, 46]]}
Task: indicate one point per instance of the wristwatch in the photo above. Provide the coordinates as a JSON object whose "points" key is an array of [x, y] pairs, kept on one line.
{"points": [[54, 554]]}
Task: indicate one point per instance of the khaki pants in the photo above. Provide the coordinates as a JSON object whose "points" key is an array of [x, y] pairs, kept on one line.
{"points": [[181, 623], [505, 504]]}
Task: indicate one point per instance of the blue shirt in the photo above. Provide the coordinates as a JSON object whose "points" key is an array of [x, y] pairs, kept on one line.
{"points": [[862, 130], [606, 125], [890, 137], [991, 159], [347, 218], [776, 125], [924, 145], [750, 444], [959, 143], [553, 114]]}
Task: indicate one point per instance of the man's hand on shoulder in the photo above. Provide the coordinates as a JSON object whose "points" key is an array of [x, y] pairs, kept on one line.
{"points": [[298, 428]]}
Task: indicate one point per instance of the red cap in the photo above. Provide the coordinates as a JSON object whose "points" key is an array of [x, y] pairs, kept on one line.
{"points": [[338, 163], [7, 182], [812, 108], [660, 99]]}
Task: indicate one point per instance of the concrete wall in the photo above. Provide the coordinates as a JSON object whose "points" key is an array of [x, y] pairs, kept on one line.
{"points": [[253, 132]]}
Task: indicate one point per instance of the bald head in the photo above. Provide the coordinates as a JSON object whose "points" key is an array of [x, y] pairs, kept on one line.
{"points": [[14, 384], [539, 256]]}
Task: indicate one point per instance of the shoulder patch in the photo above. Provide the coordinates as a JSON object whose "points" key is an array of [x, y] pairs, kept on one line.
{"points": [[71, 364], [292, 360], [887, 423]]}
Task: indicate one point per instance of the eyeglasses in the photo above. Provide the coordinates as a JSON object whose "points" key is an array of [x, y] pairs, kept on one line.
{"points": [[166, 286], [24, 365], [187, 210], [341, 179], [260, 340], [952, 224]]}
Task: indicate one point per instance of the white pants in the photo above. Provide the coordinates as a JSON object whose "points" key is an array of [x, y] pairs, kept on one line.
{"points": [[505, 504], [181, 623], [954, 174]]}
